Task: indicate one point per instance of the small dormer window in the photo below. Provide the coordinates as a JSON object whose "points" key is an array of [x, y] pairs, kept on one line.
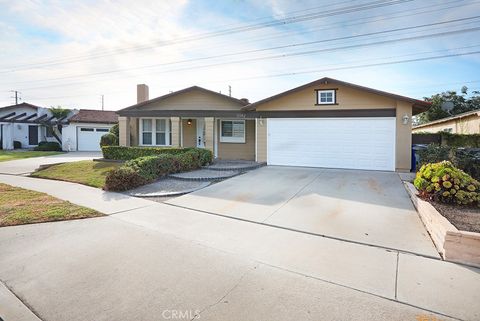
{"points": [[326, 97]]}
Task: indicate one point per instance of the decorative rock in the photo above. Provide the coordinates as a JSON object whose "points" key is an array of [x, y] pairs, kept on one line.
{"points": [[168, 187], [204, 175]]}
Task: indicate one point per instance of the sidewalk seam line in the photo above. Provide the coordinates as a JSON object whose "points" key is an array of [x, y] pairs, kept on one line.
{"points": [[311, 233], [28, 306], [396, 276]]}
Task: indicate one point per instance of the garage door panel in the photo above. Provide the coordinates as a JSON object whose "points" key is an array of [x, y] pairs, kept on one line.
{"points": [[88, 138], [357, 143]]}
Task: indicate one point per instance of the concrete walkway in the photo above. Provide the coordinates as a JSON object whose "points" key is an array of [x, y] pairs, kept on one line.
{"points": [[151, 258], [29, 165]]}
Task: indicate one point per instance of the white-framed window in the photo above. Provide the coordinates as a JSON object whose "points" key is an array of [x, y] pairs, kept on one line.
{"points": [[155, 132], [326, 97], [232, 131]]}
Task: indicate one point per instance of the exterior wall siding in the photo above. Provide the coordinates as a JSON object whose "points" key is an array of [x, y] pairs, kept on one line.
{"points": [[465, 125], [403, 140], [194, 100], [245, 151], [262, 140]]}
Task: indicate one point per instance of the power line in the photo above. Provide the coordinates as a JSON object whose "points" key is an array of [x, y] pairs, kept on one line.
{"points": [[16, 96], [272, 23], [258, 50]]}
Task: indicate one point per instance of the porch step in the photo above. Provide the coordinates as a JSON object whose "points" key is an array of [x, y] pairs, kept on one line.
{"points": [[205, 175], [234, 165]]}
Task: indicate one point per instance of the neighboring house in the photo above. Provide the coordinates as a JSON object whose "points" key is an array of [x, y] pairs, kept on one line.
{"points": [[325, 123], [25, 123], [465, 123], [85, 129]]}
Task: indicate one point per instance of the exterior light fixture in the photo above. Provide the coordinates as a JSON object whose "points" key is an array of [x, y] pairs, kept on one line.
{"points": [[260, 122], [189, 122], [405, 119]]}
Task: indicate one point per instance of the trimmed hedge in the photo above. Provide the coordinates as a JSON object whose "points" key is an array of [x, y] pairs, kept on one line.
{"points": [[443, 182], [108, 139], [460, 140], [17, 144], [127, 153], [48, 146], [146, 169]]}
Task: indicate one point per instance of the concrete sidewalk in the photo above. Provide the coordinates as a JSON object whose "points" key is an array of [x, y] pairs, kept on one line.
{"points": [[153, 257], [29, 165]]}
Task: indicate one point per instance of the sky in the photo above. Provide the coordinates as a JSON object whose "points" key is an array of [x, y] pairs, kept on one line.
{"points": [[70, 53]]}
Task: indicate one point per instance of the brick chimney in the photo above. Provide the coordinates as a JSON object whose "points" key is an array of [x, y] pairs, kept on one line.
{"points": [[142, 93]]}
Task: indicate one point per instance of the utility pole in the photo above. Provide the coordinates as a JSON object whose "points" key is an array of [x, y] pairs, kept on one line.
{"points": [[230, 90], [17, 98], [102, 102]]}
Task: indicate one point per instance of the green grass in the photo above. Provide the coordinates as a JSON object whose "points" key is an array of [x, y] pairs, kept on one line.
{"points": [[84, 172], [20, 206], [7, 155]]}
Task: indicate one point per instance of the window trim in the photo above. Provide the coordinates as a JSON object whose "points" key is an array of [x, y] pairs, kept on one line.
{"points": [[331, 90], [234, 140], [154, 131]]}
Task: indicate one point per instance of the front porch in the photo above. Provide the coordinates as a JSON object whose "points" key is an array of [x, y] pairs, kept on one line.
{"points": [[227, 138]]}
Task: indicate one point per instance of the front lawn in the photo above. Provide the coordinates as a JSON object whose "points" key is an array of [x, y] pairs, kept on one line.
{"points": [[20, 206], [7, 155], [87, 172]]}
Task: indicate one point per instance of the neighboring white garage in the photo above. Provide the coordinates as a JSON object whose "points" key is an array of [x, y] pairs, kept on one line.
{"points": [[85, 129], [351, 143]]}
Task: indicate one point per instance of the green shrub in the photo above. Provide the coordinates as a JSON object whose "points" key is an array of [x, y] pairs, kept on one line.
{"points": [[17, 144], [467, 160], [127, 153], [443, 182], [48, 146], [109, 140], [149, 168], [122, 179], [115, 130], [460, 140]]}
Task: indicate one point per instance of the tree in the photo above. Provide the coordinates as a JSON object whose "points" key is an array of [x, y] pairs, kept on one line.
{"points": [[59, 113], [461, 103]]}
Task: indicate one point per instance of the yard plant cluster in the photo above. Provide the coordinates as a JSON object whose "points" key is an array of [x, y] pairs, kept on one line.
{"points": [[145, 165], [443, 182]]}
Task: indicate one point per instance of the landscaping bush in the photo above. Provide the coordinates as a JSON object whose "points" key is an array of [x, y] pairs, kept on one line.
{"points": [[466, 159], [122, 179], [460, 140], [443, 182], [115, 130], [109, 140], [17, 144], [128, 153], [149, 168], [48, 146]]}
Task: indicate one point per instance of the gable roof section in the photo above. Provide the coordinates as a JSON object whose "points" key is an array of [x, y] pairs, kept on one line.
{"points": [[443, 120], [179, 92], [20, 105], [95, 116], [419, 105]]}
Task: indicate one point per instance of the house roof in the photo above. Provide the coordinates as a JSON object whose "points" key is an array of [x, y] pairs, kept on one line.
{"points": [[20, 105], [419, 105], [95, 116], [443, 120], [182, 91]]}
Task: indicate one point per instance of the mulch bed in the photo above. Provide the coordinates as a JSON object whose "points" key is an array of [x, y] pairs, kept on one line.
{"points": [[462, 217]]}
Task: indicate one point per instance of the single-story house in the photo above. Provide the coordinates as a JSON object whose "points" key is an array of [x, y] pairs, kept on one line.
{"points": [[85, 129], [325, 123], [464, 123], [24, 123], [29, 124]]}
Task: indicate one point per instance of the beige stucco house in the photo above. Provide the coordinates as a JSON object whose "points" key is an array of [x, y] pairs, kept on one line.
{"points": [[465, 123], [325, 123]]}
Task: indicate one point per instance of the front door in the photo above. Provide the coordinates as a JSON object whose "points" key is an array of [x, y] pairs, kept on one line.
{"points": [[201, 132], [32, 135]]}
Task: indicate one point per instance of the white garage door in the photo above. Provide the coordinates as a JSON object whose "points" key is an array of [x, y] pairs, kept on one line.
{"points": [[356, 143], [88, 138]]}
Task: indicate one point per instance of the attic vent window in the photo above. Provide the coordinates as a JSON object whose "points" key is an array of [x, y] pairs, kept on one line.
{"points": [[326, 97]]}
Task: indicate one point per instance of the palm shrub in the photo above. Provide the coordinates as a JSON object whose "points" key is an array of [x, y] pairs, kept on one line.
{"points": [[443, 182]]}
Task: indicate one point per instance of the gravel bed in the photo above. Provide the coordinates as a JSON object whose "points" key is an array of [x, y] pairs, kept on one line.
{"points": [[462, 217], [204, 175]]}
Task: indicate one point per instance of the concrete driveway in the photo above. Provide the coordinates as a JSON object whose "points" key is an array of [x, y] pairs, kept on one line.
{"points": [[360, 206], [29, 165]]}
